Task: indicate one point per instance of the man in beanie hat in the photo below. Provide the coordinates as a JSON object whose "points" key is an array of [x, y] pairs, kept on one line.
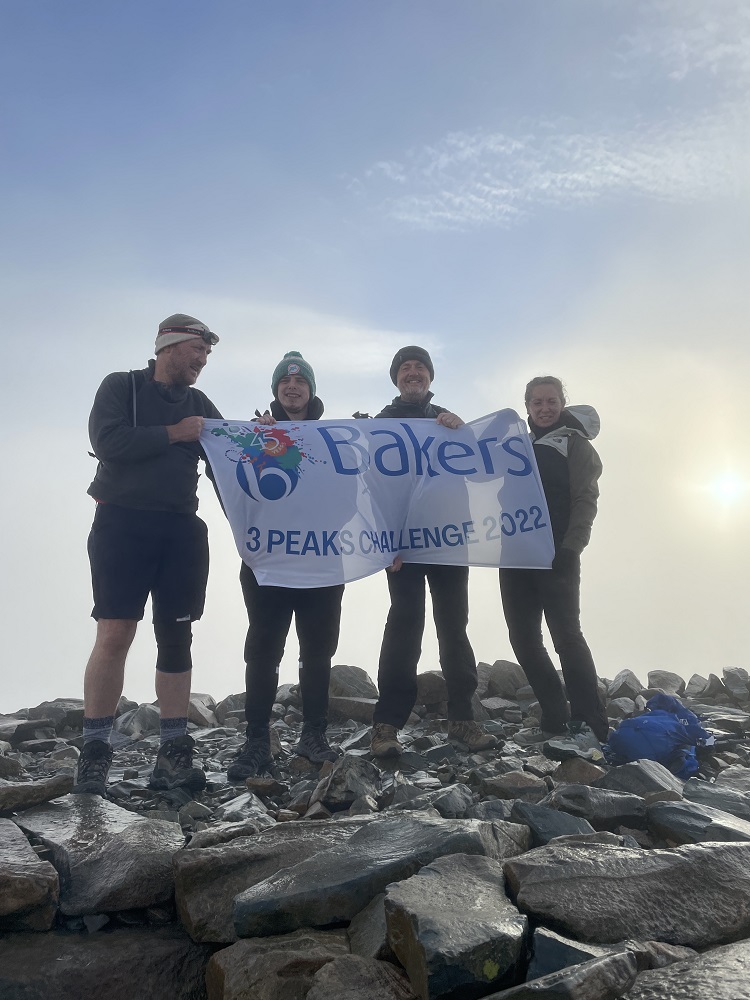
{"points": [[412, 373], [147, 539], [317, 613]]}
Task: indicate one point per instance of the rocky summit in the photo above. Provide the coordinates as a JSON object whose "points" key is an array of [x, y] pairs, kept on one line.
{"points": [[439, 873]]}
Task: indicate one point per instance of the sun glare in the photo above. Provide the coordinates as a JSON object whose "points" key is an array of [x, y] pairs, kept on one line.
{"points": [[729, 488]]}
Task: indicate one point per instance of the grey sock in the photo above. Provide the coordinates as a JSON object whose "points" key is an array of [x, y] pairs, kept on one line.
{"points": [[170, 728], [97, 729]]}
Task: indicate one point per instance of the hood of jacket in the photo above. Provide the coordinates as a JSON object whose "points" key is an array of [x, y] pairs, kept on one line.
{"points": [[314, 409], [578, 420]]}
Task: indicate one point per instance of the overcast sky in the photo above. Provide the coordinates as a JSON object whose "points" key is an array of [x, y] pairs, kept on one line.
{"points": [[521, 187]]}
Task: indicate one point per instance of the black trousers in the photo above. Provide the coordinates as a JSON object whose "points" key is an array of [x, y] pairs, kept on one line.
{"points": [[527, 595], [402, 641], [317, 613]]}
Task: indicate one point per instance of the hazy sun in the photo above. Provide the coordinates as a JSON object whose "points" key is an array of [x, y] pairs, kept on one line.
{"points": [[729, 488]]}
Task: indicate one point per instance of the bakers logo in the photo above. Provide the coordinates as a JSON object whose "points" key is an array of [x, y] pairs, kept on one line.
{"points": [[268, 459]]}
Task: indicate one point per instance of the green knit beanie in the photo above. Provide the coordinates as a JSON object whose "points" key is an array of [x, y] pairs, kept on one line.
{"points": [[293, 364]]}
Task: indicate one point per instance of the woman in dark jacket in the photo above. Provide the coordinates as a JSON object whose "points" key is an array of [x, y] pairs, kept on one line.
{"points": [[569, 468]]}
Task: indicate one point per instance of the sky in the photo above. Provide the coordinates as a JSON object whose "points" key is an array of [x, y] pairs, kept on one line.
{"points": [[523, 188]]}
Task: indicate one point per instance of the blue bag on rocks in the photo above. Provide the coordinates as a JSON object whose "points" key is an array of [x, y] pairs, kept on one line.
{"points": [[667, 732]]}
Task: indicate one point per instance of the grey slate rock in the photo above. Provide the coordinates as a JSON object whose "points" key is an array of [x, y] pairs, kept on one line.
{"points": [[277, 968], [697, 895], [552, 951], [737, 683], [138, 722], [350, 778], [624, 685], [148, 963], [29, 887], [243, 807], [336, 884], [208, 879], [720, 974], [355, 978], [717, 796], [107, 858], [692, 823], [351, 682], [603, 808], [667, 681], [546, 823], [640, 777], [696, 686], [605, 978], [67, 713], [621, 708], [368, 933], [358, 709], [453, 928], [737, 778], [505, 680], [490, 809], [16, 795]]}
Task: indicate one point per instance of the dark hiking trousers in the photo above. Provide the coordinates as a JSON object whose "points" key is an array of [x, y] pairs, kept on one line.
{"points": [[402, 641], [527, 595], [317, 613]]}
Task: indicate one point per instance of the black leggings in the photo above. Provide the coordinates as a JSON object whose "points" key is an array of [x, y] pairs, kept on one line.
{"points": [[527, 595], [317, 612]]}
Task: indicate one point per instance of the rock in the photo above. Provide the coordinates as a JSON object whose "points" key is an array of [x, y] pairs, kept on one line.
{"points": [[432, 691], [451, 802], [696, 686], [358, 709], [720, 974], [277, 968], [640, 777], [29, 887], [552, 952], [546, 824], [108, 858], [602, 807], [692, 823], [66, 713], [223, 833], [697, 895], [246, 806], [453, 928], [515, 785], [666, 681], [350, 778], [737, 778], [625, 685], [356, 978], [149, 963], [201, 710], [717, 796], [15, 730], [336, 884], [368, 934], [231, 707], [496, 708], [351, 682], [737, 683], [10, 768], [24, 795], [599, 979], [577, 771], [621, 708], [208, 879], [505, 680], [491, 809], [138, 722]]}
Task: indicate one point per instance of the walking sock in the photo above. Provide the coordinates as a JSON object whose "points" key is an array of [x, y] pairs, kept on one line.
{"points": [[97, 729], [170, 728]]}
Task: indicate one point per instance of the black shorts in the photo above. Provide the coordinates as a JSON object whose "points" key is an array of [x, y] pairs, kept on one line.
{"points": [[134, 553]]}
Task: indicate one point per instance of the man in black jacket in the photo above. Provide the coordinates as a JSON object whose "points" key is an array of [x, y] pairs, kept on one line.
{"points": [[412, 373], [147, 539], [317, 613]]}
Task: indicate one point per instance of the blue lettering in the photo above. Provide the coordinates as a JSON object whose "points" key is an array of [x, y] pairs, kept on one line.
{"points": [[364, 536], [468, 527], [292, 543], [334, 445], [507, 446], [420, 450], [398, 444], [451, 535], [274, 538], [347, 546], [461, 450], [414, 541], [484, 449], [329, 542], [430, 539], [310, 544]]}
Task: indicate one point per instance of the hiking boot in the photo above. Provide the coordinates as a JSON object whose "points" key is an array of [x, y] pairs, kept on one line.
{"points": [[532, 736], [93, 767], [472, 735], [253, 757], [578, 741], [384, 741], [313, 744], [174, 766]]}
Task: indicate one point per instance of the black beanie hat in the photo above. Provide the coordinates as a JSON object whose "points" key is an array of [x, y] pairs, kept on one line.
{"points": [[412, 353]]}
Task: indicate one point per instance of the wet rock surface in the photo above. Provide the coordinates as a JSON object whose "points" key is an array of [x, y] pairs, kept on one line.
{"points": [[417, 876]]}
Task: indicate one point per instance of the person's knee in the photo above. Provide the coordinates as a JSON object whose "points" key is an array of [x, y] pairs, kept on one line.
{"points": [[173, 642], [114, 636]]}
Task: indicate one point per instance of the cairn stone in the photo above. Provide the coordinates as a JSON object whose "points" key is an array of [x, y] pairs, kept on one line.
{"points": [[24, 795], [351, 682], [29, 887]]}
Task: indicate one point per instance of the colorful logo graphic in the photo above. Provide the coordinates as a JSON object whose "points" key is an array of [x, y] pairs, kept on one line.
{"points": [[293, 369], [268, 459]]}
